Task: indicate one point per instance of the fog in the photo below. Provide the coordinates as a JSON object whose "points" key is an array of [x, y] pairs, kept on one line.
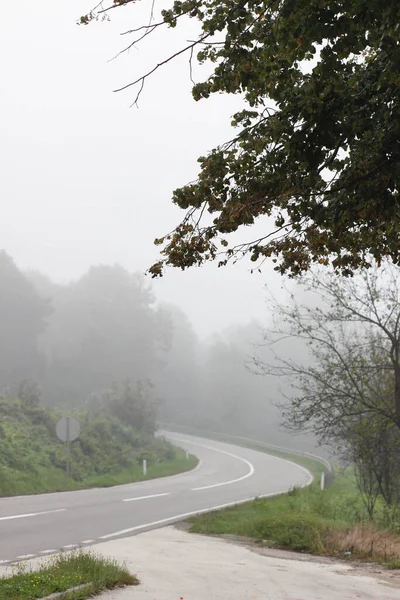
{"points": [[86, 179], [85, 184]]}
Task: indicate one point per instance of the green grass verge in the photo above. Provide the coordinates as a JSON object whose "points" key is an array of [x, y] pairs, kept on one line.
{"points": [[309, 520], [63, 572], [48, 479], [312, 465], [107, 452], [329, 522], [294, 520], [180, 464]]}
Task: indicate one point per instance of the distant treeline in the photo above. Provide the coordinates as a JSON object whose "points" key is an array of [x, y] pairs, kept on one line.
{"points": [[69, 345]]}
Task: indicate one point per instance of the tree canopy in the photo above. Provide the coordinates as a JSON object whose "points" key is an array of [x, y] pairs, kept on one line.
{"points": [[352, 369], [22, 318], [316, 147]]}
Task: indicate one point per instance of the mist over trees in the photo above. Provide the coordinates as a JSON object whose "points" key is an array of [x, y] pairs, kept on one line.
{"points": [[345, 388], [23, 314], [104, 341]]}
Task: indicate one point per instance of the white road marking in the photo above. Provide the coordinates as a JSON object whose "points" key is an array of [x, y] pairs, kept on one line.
{"points": [[88, 542], [215, 485], [199, 465], [145, 497], [4, 562], [26, 556], [70, 546], [48, 551], [196, 512], [45, 512]]}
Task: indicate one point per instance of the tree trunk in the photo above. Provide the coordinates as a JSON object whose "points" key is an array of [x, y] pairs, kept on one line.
{"points": [[397, 380], [397, 392]]}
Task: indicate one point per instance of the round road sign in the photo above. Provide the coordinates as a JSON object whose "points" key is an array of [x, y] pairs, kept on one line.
{"points": [[68, 429]]}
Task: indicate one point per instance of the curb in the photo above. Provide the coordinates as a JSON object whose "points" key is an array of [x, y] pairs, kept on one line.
{"points": [[62, 595]]}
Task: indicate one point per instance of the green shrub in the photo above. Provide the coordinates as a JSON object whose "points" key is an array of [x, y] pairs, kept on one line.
{"points": [[297, 532], [32, 459]]}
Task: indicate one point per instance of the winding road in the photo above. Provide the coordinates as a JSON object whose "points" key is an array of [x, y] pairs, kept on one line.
{"points": [[42, 524]]}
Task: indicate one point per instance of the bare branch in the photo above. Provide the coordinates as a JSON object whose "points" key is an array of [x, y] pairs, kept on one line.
{"points": [[143, 78]]}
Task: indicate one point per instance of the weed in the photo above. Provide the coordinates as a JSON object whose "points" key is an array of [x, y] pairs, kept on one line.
{"points": [[107, 452], [63, 572], [309, 520]]}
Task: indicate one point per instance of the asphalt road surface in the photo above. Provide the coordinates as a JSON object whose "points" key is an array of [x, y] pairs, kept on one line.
{"points": [[42, 524]]}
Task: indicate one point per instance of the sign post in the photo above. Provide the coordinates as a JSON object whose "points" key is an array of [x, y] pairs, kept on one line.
{"points": [[67, 430]]}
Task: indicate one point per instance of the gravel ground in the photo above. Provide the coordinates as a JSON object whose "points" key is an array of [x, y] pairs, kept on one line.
{"points": [[174, 565]]}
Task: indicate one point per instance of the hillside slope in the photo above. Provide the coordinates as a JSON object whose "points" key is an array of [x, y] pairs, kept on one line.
{"points": [[107, 452]]}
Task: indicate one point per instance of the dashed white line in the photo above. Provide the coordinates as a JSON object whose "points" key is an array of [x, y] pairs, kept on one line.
{"points": [[146, 497], [45, 512], [4, 562], [48, 551], [70, 546], [26, 556]]}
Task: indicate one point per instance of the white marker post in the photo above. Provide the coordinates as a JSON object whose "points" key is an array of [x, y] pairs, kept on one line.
{"points": [[187, 454], [68, 445], [144, 466], [322, 480]]}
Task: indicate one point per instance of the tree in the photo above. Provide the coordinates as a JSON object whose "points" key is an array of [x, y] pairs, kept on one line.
{"points": [[317, 148], [373, 447], [178, 381], [353, 335], [346, 388], [104, 328], [22, 320], [134, 406]]}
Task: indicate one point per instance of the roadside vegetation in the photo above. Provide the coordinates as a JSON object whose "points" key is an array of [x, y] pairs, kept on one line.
{"points": [[329, 522], [346, 392], [332, 522], [109, 450], [86, 571]]}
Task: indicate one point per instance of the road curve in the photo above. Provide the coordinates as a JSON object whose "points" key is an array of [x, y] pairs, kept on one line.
{"points": [[227, 474]]}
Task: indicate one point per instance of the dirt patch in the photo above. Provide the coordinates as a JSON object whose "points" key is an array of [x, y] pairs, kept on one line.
{"points": [[356, 567], [389, 577]]}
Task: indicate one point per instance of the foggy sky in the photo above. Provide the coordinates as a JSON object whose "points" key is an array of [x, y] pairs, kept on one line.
{"points": [[85, 179]]}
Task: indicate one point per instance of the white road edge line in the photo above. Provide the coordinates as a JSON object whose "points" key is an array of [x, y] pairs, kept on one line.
{"points": [[48, 551], [26, 556], [145, 497], [70, 546], [45, 512], [87, 541], [215, 485], [199, 465], [198, 512], [4, 562]]}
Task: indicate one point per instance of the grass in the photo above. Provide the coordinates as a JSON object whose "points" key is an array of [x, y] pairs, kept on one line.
{"points": [[108, 452], [63, 572], [180, 464], [329, 522], [312, 465], [44, 480]]}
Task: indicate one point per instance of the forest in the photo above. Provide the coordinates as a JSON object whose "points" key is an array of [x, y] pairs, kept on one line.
{"points": [[76, 346]]}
